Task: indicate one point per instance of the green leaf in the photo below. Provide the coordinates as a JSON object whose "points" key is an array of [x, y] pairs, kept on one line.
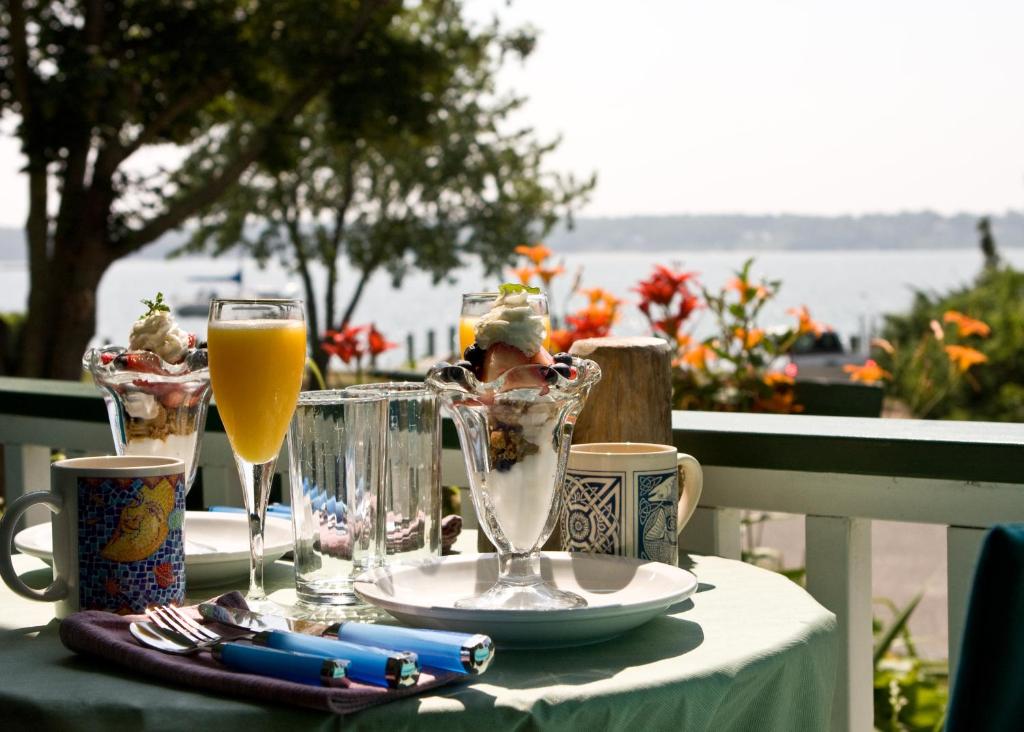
{"points": [[155, 306], [512, 288], [897, 626]]}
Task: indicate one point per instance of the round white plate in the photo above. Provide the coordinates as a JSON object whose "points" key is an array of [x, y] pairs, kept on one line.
{"points": [[621, 594], [216, 545]]}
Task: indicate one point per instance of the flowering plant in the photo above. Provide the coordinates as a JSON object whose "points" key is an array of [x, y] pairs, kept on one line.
{"points": [[351, 343], [735, 368], [927, 371]]}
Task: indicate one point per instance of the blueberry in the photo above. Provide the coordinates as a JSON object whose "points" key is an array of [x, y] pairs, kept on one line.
{"points": [[504, 465], [562, 369], [563, 358], [549, 374], [464, 365], [453, 373], [475, 355]]}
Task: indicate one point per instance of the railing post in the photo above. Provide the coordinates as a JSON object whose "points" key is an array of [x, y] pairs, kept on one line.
{"points": [[839, 577], [714, 531], [963, 545]]}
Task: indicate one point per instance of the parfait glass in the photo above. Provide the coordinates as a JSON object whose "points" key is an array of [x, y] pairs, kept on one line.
{"points": [[257, 354], [515, 433], [155, 407]]}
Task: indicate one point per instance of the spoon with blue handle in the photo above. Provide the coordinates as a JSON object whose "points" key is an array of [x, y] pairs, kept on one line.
{"points": [[303, 668]]}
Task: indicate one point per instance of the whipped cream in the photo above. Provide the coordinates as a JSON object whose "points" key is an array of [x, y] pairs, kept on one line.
{"points": [[157, 332], [511, 320]]}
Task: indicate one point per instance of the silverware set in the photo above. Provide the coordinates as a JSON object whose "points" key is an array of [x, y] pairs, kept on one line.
{"points": [[329, 655]]}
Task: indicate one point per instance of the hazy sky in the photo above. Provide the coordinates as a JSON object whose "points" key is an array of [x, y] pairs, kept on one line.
{"points": [[754, 106]]}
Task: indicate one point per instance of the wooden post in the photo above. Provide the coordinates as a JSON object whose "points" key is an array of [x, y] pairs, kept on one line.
{"points": [[633, 400], [410, 351], [431, 345]]}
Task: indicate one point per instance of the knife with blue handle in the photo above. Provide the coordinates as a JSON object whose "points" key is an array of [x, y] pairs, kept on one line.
{"points": [[449, 651], [304, 668], [376, 666]]}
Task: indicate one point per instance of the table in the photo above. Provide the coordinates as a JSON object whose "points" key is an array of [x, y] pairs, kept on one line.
{"points": [[750, 651]]}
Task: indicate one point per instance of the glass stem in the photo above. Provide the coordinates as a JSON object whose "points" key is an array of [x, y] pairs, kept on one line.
{"points": [[519, 569], [257, 479]]}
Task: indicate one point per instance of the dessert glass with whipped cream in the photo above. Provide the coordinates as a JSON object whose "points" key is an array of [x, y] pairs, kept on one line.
{"points": [[514, 407], [156, 390]]}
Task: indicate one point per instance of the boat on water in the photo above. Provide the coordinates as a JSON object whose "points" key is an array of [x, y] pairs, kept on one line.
{"points": [[197, 305]]}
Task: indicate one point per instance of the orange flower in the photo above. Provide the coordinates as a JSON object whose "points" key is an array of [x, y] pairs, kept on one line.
{"points": [[548, 273], [525, 274], [778, 378], [598, 294], [536, 254], [698, 356], [806, 323], [747, 291], [749, 338], [965, 357], [869, 373], [966, 326]]}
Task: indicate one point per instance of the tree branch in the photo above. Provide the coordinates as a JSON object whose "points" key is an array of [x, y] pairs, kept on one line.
{"points": [[115, 153], [195, 201]]}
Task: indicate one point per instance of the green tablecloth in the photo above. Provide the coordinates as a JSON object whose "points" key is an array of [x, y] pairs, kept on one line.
{"points": [[751, 651]]}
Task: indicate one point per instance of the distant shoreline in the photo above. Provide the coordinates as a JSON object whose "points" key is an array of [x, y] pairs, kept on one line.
{"points": [[722, 232]]}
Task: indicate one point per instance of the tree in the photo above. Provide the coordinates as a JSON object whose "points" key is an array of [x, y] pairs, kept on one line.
{"points": [[95, 81], [424, 194]]}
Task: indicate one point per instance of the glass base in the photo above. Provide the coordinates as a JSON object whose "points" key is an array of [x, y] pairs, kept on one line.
{"points": [[509, 596]]}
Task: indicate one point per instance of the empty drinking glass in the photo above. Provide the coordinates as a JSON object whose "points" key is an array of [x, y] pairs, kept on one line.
{"points": [[412, 492], [336, 449]]}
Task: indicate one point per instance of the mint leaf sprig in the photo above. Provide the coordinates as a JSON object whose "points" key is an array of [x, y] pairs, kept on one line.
{"points": [[512, 288], [155, 306]]}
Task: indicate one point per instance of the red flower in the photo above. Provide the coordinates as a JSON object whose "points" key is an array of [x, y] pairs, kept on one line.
{"points": [[669, 290], [376, 342], [344, 343]]}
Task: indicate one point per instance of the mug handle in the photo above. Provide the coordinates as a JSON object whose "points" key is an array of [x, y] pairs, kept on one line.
{"points": [[691, 483], [58, 589]]}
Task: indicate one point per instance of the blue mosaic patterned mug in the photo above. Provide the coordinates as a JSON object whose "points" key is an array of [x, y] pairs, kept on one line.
{"points": [[628, 498], [118, 541]]}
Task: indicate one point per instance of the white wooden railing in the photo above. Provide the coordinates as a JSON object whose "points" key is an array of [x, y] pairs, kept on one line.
{"points": [[841, 473]]}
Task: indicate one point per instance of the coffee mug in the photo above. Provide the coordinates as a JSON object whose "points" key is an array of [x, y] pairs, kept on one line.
{"points": [[118, 543], [624, 498]]}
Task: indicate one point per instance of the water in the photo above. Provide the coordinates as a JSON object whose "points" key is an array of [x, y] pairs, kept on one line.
{"points": [[848, 290]]}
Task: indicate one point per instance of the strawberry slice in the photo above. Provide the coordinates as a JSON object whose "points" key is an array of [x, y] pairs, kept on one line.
{"points": [[140, 361], [501, 357], [191, 340], [543, 357]]}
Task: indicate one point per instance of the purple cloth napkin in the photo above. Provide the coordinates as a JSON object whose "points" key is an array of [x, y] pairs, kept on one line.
{"points": [[105, 635]]}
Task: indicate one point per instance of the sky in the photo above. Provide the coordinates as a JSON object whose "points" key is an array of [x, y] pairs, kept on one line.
{"points": [[762, 106]]}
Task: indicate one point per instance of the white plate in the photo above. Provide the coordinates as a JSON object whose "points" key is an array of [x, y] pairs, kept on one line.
{"points": [[621, 594], [216, 545]]}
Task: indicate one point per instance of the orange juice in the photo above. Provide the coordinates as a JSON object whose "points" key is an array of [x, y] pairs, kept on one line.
{"points": [[256, 371], [467, 332]]}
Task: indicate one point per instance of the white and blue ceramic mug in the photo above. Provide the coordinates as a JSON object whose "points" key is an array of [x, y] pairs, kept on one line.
{"points": [[628, 498], [118, 541]]}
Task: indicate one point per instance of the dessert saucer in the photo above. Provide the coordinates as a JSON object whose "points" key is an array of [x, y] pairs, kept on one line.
{"points": [[216, 545], [621, 594]]}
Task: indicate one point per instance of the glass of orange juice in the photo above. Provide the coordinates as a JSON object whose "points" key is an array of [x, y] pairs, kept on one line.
{"points": [[476, 304], [257, 353]]}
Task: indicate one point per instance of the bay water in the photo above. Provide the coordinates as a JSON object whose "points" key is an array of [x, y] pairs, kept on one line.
{"points": [[848, 290]]}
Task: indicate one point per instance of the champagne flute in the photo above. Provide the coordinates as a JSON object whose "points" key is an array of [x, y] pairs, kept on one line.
{"points": [[257, 352]]}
